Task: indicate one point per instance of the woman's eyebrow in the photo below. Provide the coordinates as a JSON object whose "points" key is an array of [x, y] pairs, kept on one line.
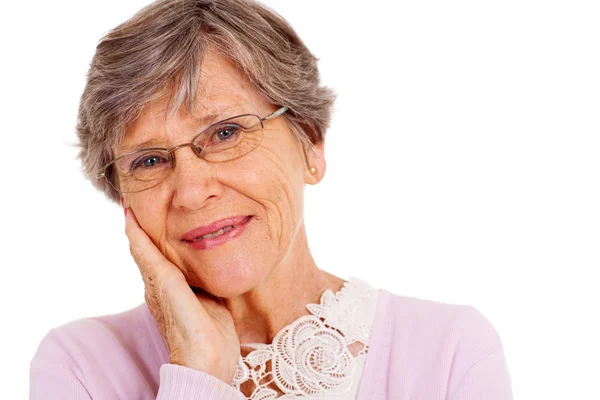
{"points": [[154, 142], [215, 116], [198, 123]]}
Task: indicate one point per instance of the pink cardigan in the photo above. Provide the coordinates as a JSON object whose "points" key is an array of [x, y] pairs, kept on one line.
{"points": [[419, 350]]}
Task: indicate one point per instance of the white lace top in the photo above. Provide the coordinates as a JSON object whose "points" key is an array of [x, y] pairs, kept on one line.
{"points": [[311, 358]]}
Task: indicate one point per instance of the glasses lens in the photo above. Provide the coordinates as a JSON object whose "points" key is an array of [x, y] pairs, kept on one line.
{"points": [[223, 141], [141, 170], [231, 138]]}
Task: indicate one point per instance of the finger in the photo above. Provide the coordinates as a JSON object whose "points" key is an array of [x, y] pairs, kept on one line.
{"points": [[148, 257], [173, 304]]}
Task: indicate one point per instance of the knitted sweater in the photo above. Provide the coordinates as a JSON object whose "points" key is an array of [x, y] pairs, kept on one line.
{"points": [[418, 350]]}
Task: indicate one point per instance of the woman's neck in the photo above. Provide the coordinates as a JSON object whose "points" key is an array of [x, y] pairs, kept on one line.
{"points": [[282, 296]]}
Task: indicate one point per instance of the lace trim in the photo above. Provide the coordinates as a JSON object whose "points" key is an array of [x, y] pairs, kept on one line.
{"points": [[310, 357]]}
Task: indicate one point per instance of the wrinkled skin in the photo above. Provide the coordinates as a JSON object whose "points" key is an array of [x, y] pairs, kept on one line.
{"points": [[251, 286]]}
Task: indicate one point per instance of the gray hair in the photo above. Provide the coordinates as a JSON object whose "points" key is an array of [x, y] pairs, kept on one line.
{"points": [[158, 52]]}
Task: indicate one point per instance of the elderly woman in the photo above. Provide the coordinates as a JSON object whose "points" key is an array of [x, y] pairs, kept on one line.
{"points": [[205, 119]]}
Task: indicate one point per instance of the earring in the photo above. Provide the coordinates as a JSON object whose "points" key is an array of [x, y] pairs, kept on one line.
{"points": [[312, 170]]}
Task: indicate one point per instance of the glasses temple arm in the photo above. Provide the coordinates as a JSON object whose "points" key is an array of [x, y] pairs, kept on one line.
{"points": [[275, 114]]}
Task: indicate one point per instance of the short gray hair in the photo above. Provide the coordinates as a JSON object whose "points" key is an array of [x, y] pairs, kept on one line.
{"points": [[159, 52]]}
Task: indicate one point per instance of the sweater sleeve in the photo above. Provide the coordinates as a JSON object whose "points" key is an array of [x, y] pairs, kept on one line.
{"points": [[179, 383], [52, 375], [57, 373], [488, 379], [479, 370], [54, 381]]}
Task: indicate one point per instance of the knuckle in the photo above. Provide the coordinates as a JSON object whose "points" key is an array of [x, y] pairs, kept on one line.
{"points": [[133, 250], [151, 301]]}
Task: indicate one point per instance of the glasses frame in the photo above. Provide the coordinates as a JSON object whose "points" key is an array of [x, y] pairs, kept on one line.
{"points": [[197, 150]]}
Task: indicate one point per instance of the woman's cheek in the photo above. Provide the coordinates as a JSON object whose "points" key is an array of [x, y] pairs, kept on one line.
{"points": [[152, 218]]}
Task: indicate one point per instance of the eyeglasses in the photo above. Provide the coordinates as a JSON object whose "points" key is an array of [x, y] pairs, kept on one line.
{"points": [[222, 141]]}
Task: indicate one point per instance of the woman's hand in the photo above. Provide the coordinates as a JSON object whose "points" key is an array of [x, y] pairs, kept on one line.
{"points": [[198, 329]]}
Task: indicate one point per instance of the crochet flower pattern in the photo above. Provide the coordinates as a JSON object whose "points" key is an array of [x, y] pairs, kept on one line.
{"points": [[311, 358]]}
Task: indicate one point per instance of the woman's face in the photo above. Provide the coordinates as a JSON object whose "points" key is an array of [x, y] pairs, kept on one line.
{"points": [[263, 189]]}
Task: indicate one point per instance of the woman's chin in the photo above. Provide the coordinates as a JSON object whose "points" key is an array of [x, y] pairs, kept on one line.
{"points": [[229, 270], [225, 281]]}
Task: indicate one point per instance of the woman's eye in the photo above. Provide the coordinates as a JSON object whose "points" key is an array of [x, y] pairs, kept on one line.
{"points": [[223, 133], [148, 162]]}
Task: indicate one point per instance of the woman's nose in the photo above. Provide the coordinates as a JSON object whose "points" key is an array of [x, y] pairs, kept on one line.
{"points": [[194, 181]]}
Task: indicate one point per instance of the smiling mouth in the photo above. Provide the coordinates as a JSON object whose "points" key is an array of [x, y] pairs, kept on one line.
{"points": [[217, 233]]}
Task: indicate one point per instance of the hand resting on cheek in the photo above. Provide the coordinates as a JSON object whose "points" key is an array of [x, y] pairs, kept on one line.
{"points": [[196, 327]]}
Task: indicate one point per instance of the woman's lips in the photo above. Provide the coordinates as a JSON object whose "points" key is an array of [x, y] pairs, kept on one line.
{"points": [[217, 233]]}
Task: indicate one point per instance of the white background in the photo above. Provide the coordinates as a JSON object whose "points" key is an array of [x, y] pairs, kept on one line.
{"points": [[463, 167]]}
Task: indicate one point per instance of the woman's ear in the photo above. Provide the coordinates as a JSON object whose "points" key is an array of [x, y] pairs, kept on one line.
{"points": [[316, 164]]}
